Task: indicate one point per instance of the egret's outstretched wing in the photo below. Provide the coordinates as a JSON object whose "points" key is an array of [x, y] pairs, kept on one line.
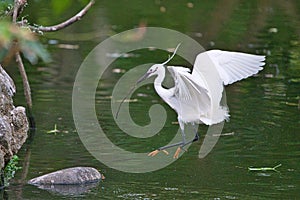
{"points": [[185, 86], [231, 66], [192, 99]]}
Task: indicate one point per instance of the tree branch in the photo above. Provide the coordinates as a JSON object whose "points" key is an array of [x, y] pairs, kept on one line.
{"points": [[27, 91], [18, 4], [66, 23]]}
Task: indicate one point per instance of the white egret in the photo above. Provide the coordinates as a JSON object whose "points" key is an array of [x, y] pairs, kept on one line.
{"points": [[196, 96]]}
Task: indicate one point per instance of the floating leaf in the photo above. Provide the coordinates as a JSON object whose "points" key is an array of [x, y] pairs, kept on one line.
{"points": [[55, 130], [264, 168]]}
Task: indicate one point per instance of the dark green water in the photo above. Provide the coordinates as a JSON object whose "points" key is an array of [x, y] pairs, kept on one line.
{"points": [[265, 115]]}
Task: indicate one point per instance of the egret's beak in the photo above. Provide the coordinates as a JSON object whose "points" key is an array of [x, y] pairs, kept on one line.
{"points": [[145, 76]]}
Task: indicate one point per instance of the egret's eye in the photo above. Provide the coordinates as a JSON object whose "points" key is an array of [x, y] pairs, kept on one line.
{"points": [[152, 70]]}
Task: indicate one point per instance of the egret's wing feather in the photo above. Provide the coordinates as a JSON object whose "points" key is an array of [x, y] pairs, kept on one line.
{"points": [[182, 85], [188, 91], [231, 66]]}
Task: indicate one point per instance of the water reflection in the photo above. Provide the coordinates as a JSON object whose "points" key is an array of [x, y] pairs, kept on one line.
{"points": [[69, 190]]}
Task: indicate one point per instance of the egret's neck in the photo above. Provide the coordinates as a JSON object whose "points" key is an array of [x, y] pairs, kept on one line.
{"points": [[160, 77], [157, 83]]}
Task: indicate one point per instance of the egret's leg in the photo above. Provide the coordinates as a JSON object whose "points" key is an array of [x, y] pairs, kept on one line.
{"points": [[180, 144], [183, 135], [183, 143], [171, 145], [196, 138], [195, 126]]}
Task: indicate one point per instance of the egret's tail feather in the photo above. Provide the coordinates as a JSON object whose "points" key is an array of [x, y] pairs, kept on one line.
{"points": [[218, 116]]}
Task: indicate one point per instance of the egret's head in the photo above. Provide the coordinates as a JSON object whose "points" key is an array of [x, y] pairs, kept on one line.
{"points": [[153, 70], [157, 68]]}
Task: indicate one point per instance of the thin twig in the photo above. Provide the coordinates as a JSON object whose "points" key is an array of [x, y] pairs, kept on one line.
{"points": [[27, 91], [66, 23], [17, 6], [15, 12]]}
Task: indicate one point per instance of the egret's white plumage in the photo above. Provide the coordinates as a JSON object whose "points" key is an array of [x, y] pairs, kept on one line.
{"points": [[196, 96], [231, 66]]}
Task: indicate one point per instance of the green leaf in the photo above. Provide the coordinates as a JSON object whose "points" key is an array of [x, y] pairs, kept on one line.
{"points": [[3, 52], [10, 169], [31, 48], [6, 35]]}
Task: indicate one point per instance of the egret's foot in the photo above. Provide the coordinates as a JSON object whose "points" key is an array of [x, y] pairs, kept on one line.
{"points": [[153, 153], [177, 153], [179, 149]]}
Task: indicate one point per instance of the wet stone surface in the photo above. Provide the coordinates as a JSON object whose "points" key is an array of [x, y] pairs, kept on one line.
{"points": [[69, 176], [13, 121]]}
